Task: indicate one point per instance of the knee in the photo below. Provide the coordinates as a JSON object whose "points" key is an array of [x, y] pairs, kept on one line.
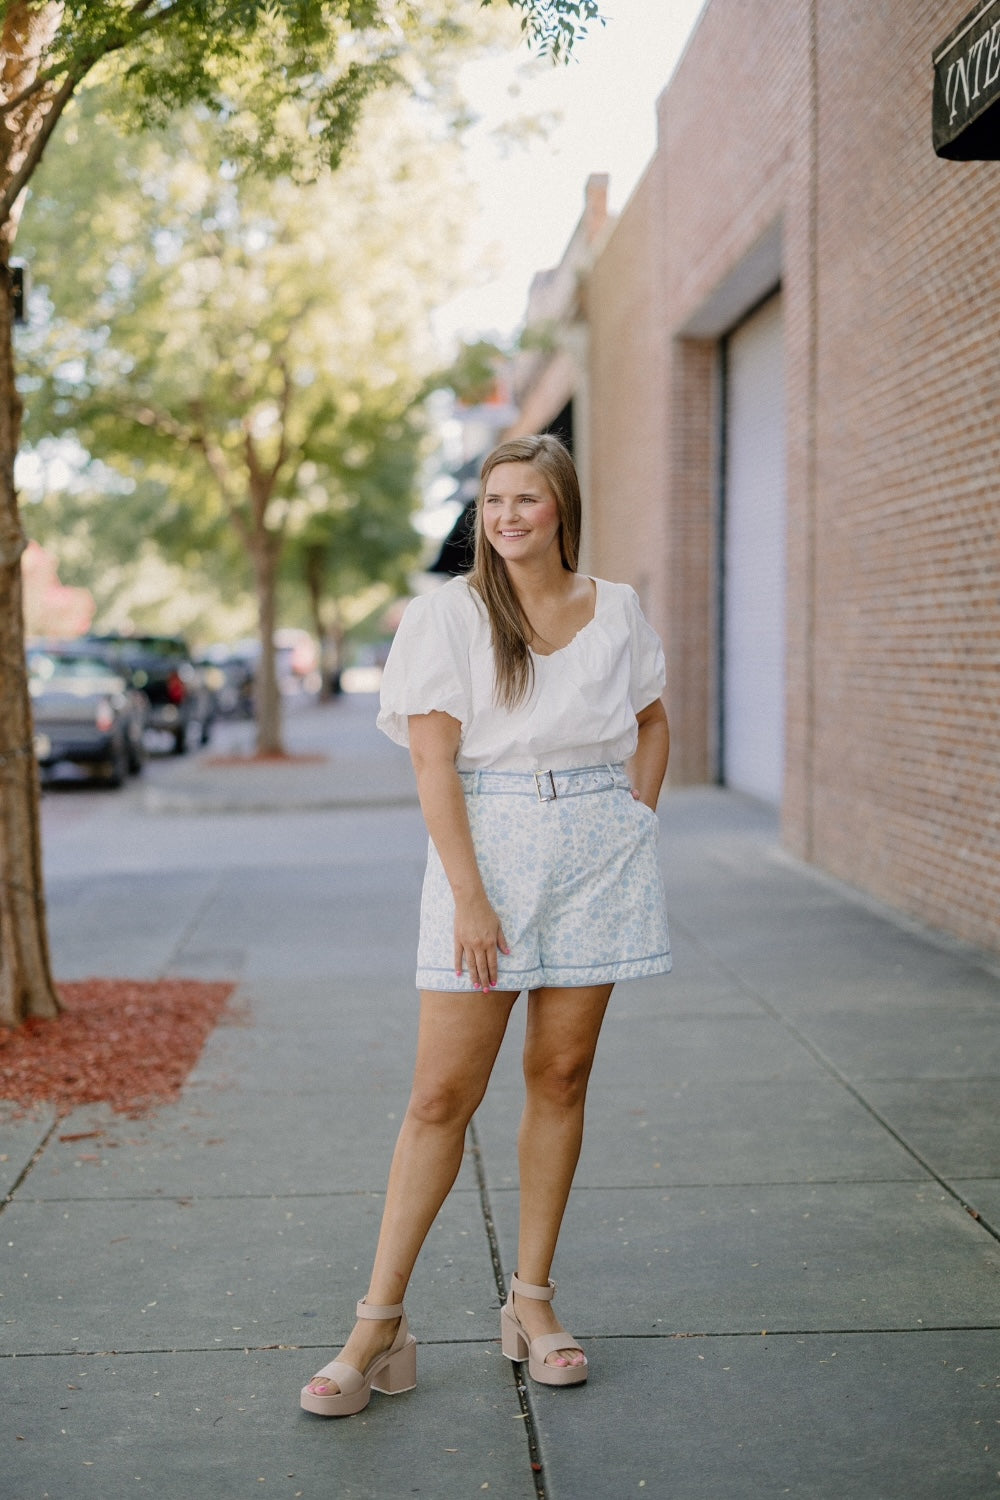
{"points": [[560, 1080], [441, 1104]]}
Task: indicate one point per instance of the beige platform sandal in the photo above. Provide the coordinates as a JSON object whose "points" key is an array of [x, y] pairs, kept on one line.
{"points": [[392, 1371], [517, 1346]]}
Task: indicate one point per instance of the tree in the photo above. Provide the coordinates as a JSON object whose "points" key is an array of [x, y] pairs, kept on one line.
{"points": [[244, 61], [146, 564], [259, 361], [363, 537]]}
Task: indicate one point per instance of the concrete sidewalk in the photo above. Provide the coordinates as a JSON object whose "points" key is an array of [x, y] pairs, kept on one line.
{"points": [[336, 761], [781, 1251]]}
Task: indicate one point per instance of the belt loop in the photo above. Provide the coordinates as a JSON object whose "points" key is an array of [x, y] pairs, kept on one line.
{"points": [[476, 776]]}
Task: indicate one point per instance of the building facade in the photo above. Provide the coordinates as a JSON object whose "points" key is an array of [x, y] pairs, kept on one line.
{"points": [[784, 384]]}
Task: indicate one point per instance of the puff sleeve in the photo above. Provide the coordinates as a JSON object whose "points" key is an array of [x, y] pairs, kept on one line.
{"points": [[647, 673], [428, 665]]}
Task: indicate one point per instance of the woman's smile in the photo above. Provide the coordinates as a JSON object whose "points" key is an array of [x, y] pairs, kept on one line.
{"points": [[520, 508]]}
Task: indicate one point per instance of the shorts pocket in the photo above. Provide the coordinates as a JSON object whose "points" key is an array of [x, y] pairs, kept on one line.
{"points": [[644, 810]]}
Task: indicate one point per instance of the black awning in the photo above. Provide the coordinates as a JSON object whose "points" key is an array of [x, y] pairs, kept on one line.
{"points": [[966, 108]]}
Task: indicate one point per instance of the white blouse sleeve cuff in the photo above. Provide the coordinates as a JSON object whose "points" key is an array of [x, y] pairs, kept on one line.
{"points": [[427, 670], [648, 671]]}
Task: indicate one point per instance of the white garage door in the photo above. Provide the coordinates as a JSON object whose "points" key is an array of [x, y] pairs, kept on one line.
{"points": [[753, 544]]}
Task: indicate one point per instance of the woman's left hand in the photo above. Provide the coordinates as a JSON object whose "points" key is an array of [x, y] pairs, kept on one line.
{"points": [[649, 763]]}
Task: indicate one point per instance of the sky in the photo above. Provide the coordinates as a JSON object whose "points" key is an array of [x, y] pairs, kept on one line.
{"points": [[602, 109]]}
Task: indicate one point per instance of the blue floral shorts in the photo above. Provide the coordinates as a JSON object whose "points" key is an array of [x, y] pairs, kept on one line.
{"points": [[570, 865]]}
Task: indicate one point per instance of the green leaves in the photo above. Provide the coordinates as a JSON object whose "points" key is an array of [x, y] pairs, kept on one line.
{"points": [[243, 59], [554, 27], [245, 354]]}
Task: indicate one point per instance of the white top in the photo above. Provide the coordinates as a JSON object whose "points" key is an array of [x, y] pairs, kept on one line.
{"points": [[581, 710]]}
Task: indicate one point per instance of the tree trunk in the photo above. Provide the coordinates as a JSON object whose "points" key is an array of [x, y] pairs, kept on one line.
{"points": [[332, 656], [26, 987], [270, 741], [330, 639]]}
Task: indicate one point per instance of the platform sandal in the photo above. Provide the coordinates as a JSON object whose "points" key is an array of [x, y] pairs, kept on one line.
{"points": [[392, 1371], [517, 1346]]}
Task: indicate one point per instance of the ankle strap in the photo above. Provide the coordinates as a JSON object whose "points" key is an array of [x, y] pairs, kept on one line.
{"points": [[525, 1289], [366, 1310]]}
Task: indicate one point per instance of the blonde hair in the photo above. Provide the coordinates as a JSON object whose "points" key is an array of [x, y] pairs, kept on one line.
{"points": [[510, 628]]}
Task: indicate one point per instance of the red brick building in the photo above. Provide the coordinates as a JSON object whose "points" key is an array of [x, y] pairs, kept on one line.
{"points": [[782, 369]]}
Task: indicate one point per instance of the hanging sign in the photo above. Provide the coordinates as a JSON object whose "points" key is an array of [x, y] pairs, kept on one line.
{"points": [[966, 110]]}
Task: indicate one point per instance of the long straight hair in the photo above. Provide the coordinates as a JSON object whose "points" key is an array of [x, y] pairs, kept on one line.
{"points": [[510, 629]]}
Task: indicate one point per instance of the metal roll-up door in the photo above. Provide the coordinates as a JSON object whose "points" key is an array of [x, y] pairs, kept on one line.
{"points": [[753, 557]]}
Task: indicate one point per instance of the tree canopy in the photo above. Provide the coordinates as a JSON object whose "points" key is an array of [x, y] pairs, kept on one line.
{"points": [[246, 58], [242, 354]]}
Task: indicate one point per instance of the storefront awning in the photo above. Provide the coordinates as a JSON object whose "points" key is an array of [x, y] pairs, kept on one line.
{"points": [[966, 110]]}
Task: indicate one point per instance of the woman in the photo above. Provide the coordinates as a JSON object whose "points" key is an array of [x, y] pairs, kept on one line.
{"points": [[521, 691]]}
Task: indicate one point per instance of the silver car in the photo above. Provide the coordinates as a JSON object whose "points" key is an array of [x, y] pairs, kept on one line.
{"points": [[86, 714]]}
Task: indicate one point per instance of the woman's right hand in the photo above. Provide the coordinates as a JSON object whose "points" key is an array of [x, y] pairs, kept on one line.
{"points": [[434, 742], [478, 935]]}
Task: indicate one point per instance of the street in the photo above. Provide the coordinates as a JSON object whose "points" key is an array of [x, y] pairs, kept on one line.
{"points": [[768, 1255]]}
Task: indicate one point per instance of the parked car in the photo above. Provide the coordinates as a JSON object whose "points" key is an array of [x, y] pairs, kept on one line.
{"points": [[296, 660], [230, 674], [85, 713], [162, 667], [93, 650]]}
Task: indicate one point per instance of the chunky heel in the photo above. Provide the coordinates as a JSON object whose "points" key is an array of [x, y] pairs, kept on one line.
{"points": [[513, 1340], [392, 1371], [517, 1346], [399, 1373]]}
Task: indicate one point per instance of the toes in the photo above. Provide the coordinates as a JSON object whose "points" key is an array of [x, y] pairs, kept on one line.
{"points": [[563, 1358], [323, 1387]]}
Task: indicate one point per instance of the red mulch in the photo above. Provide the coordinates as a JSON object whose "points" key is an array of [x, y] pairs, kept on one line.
{"points": [[125, 1042], [263, 760]]}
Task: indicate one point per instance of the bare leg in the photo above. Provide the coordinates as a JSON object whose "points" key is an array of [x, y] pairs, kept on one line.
{"points": [[561, 1040], [457, 1044]]}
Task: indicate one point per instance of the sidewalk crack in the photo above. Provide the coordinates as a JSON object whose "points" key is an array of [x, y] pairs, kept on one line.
{"points": [[29, 1165], [192, 925], [520, 1385], [816, 1053]]}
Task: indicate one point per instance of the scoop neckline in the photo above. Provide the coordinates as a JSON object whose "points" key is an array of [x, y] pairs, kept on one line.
{"points": [[548, 655]]}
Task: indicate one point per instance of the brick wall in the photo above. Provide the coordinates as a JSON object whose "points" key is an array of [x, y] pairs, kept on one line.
{"points": [[815, 114], [628, 535], [907, 760]]}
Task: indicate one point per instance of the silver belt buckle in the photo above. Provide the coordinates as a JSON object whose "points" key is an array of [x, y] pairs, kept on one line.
{"points": [[545, 794]]}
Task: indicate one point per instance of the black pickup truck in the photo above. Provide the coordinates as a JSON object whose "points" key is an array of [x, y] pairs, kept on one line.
{"points": [[161, 666]]}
